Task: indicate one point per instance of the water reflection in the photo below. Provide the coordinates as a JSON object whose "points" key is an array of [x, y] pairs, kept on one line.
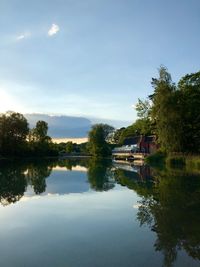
{"points": [[169, 200], [16, 177], [170, 207], [100, 175], [172, 210], [12, 183]]}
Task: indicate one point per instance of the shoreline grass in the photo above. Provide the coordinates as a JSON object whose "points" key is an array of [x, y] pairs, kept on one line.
{"points": [[174, 160]]}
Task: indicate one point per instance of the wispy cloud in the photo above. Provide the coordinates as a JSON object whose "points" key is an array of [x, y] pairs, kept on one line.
{"points": [[23, 36], [20, 37], [53, 30]]}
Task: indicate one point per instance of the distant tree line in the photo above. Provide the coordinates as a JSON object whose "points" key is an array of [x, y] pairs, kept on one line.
{"points": [[18, 140], [72, 148], [171, 113]]}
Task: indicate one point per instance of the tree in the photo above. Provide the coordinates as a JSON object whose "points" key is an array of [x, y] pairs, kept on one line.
{"points": [[98, 146], [40, 132], [143, 108], [175, 112], [69, 147], [117, 135], [40, 143], [165, 111], [189, 99], [13, 133]]}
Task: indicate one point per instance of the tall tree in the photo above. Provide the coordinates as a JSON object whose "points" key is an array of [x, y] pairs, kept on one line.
{"points": [[189, 98], [40, 132], [98, 146], [165, 111], [13, 133]]}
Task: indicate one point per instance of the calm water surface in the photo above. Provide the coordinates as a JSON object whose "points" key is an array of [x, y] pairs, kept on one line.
{"points": [[90, 213]]}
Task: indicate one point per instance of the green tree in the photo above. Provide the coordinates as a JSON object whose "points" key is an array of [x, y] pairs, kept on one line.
{"points": [[40, 132], [117, 135], [97, 145], [69, 147], [143, 108], [13, 133], [40, 143], [165, 112], [189, 99]]}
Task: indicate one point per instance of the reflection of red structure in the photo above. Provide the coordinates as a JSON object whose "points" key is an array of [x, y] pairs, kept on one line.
{"points": [[144, 172], [144, 144]]}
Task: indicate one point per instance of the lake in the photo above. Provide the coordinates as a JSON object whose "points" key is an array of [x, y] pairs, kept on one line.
{"points": [[93, 213]]}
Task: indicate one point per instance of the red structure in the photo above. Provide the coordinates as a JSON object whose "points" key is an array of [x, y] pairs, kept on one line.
{"points": [[144, 144]]}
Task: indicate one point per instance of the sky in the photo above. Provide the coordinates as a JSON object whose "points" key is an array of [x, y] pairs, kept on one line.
{"points": [[92, 58]]}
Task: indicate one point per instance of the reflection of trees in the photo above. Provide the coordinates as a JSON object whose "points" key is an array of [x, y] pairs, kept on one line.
{"points": [[172, 211], [37, 174], [12, 183], [170, 206], [140, 181], [72, 162], [100, 175], [15, 176]]}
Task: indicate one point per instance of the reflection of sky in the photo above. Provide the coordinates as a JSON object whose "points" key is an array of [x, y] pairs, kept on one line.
{"points": [[67, 182], [62, 181], [90, 229]]}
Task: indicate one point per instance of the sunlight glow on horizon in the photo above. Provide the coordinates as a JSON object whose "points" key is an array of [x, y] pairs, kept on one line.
{"points": [[8, 103]]}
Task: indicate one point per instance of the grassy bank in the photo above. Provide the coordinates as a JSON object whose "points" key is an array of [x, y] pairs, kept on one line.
{"points": [[174, 160], [157, 158]]}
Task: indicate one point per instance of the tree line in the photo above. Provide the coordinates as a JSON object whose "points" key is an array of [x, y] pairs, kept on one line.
{"points": [[171, 113], [17, 139]]}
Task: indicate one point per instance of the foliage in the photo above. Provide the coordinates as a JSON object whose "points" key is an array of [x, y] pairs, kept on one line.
{"points": [[143, 109], [175, 112], [117, 135], [189, 98], [69, 147], [142, 126], [175, 160], [164, 112], [40, 132], [157, 158], [17, 140], [97, 145], [13, 132]]}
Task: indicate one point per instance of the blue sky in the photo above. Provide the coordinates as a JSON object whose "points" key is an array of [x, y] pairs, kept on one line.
{"points": [[92, 58]]}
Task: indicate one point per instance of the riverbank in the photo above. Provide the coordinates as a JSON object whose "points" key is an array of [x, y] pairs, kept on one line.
{"points": [[191, 162]]}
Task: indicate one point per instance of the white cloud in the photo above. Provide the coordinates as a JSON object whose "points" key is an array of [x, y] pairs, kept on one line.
{"points": [[23, 36], [53, 30], [20, 37]]}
